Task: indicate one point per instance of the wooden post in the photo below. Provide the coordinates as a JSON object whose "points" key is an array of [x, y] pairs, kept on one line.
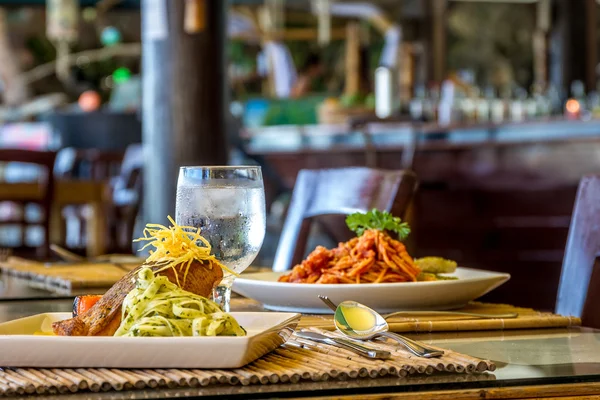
{"points": [[352, 85], [16, 90], [558, 35], [195, 16], [591, 44], [406, 73], [266, 28], [539, 43], [439, 13], [184, 109], [574, 43]]}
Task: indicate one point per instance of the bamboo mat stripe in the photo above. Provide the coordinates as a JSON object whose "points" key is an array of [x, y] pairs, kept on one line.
{"points": [[527, 319], [298, 360]]}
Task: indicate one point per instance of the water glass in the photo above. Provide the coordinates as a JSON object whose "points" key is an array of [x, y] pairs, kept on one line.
{"points": [[228, 204]]}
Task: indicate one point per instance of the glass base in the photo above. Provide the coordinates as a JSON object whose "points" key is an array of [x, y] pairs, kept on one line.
{"points": [[222, 293]]}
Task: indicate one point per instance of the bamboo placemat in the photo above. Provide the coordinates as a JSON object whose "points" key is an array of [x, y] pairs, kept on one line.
{"points": [[61, 276], [527, 319], [297, 360]]}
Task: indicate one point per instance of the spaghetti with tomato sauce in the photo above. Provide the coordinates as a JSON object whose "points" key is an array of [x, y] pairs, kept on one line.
{"points": [[373, 257]]}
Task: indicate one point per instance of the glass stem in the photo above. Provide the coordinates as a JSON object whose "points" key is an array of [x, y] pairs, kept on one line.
{"points": [[222, 293]]}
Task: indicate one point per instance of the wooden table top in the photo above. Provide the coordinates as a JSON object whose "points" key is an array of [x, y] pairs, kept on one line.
{"points": [[66, 191]]}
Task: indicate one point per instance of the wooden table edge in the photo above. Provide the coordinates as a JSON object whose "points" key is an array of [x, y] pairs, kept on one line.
{"points": [[583, 390]]}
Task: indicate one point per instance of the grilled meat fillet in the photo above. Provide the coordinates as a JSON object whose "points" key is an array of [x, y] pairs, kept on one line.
{"points": [[104, 318]]}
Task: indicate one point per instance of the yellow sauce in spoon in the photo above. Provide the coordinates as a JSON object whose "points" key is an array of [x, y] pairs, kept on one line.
{"points": [[358, 318]]}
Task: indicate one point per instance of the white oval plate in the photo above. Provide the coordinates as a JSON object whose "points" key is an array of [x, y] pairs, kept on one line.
{"points": [[383, 297]]}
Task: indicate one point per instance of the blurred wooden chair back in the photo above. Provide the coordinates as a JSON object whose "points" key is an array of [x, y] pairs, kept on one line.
{"points": [[579, 288], [83, 164], [127, 189], [90, 164], [20, 194], [340, 191]]}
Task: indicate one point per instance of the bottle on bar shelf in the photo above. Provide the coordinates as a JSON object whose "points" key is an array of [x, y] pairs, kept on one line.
{"points": [[594, 104], [462, 101], [576, 104], [497, 109], [517, 111], [446, 104], [416, 105]]}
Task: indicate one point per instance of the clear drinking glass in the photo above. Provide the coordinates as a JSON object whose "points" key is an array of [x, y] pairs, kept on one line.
{"points": [[228, 205]]}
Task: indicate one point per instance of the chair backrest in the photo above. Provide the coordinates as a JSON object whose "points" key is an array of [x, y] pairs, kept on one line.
{"points": [[133, 161], [42, 158], [127, 190], [579, 288], [339, 192], [66, 162], [106, 164], [45, 160], [87, 163], [127, 187]]}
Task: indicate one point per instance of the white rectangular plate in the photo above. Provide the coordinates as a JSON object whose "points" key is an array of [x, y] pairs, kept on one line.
{"points": [[383, 297], [19, 347]]}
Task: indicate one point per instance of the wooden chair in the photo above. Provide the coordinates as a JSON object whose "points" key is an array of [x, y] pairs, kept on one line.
{"points": [[328, 192], [42, 197], [90, 164], [127, 189], [579, 289], [518, 227]]}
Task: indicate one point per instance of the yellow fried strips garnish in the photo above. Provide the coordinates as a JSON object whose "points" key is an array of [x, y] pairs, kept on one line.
{"points": [[177, 245]]}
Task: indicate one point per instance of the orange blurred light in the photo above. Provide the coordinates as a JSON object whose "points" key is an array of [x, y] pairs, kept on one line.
{"points": [[572, 106], [89, 101]]}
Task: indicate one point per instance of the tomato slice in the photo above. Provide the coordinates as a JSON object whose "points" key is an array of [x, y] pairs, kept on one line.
{"points": [[83, 303]]}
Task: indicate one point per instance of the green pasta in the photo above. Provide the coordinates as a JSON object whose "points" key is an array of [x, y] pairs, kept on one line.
{"points": [[158, 307]]}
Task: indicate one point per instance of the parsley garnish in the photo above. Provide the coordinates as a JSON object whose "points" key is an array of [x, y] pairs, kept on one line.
{"points": [[380, 220]]}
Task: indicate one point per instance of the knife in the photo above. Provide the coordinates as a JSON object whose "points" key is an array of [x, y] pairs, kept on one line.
{"points": [[346, 344]]}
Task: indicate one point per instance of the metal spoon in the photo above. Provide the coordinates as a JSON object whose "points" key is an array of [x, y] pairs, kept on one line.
{"points": [[369, 324], [325, 299]]}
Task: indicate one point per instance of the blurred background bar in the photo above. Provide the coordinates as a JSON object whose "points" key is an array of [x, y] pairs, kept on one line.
{"points": [[494, 105]]}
